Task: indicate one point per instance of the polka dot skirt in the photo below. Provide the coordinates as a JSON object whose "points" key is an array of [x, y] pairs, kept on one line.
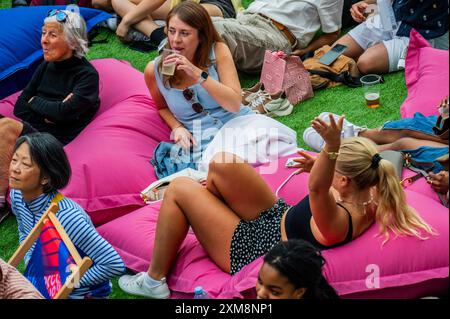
{"points": [[255, 238]]}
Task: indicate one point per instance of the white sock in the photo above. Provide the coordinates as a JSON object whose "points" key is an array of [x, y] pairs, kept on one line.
{"points": [[149, 281]]}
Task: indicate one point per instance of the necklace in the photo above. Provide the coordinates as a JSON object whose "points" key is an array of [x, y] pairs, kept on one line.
{"points": [[364, 204]]}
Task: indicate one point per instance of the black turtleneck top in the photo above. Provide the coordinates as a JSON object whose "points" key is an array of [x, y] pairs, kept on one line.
{"points": [[50, 85]]}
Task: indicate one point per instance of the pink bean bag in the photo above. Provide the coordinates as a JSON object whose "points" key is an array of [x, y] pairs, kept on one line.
{"points": [[405, 267], [427, 77], [110, 158]]}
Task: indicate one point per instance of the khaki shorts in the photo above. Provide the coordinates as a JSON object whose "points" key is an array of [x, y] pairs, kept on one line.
{"points": [[248, 37]]}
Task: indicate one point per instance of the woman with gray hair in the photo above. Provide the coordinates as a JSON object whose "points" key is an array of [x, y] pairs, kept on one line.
{"points": [[61, 97]]}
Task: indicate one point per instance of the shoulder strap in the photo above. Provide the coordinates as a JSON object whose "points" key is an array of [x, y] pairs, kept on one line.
{"points": [[58, 198], [343, 77]]}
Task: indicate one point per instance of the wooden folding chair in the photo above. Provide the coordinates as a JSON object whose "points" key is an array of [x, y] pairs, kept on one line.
{"points": [[77, 270]]}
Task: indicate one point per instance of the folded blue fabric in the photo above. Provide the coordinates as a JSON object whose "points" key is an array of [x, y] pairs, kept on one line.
{"points": [[170, 158]]}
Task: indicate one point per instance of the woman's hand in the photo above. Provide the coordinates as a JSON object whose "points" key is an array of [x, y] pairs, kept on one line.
{"points": [[122, 31], [331, 133], [357, 11], [183, 64], [439, 182], [443, 107], [304, 163], [183, 137]]}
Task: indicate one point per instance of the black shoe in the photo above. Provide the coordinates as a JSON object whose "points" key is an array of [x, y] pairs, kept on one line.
{"points": [[4, 213]]}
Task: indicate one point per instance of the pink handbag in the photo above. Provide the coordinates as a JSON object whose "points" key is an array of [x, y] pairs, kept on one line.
{"points": [[286, 73]]}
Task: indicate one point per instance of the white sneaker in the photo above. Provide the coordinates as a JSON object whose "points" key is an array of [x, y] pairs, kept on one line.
{"points": [[313, 139], [112, 22], [136, 285], [271, 104], [349, 129], [249, 94]]}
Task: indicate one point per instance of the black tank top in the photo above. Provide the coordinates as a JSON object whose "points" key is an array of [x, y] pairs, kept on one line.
{"points": [[297, 224]]}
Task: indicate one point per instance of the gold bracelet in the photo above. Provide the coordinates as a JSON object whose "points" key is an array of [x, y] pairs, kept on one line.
{"points": [[331, 155]]}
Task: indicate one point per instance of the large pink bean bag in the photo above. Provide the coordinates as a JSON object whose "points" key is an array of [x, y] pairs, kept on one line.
{"points": [[427, 77], [405, 267], [110, 158]]}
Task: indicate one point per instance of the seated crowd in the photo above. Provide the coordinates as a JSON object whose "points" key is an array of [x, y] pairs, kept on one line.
{"points": [[350, 185]]}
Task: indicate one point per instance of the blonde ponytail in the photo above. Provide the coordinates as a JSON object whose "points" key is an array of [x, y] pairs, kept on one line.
{"points": [[358, 161], [393, 212]]}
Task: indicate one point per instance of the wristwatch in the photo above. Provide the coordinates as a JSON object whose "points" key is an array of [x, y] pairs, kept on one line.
{"points": [[203, 76], [332, 155]]}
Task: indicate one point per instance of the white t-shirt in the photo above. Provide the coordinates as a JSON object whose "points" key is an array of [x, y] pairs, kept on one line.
{"points": [[303, 17]]}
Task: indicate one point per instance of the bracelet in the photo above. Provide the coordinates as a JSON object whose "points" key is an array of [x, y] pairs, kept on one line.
{"points": [[180, 125], [331, 155]]}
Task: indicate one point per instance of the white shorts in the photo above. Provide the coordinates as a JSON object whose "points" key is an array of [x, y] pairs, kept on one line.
{"points": [[370, 33]]}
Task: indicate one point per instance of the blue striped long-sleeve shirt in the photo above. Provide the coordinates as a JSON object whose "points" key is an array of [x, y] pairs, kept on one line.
{"points": [[107, 263]]}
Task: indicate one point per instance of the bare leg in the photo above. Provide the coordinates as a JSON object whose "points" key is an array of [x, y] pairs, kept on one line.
{"points": [[213, 10], [408, 143], [390, 136], [146, 25], [374, 60], [239, 185], [354, 51], [187, 203], [9, 132]]}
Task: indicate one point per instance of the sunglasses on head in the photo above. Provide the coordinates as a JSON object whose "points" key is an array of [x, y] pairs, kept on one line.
{"points": [[60, 15], [189, 95]]}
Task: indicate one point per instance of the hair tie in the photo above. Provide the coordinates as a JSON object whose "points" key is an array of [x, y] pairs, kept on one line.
{"points": [[376, 161]]}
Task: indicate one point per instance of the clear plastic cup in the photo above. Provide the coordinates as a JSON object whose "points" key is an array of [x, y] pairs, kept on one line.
{"points": [[371, 90], [168, 68]]}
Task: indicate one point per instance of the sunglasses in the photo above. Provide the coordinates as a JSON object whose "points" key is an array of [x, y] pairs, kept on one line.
{"points": [[189, 95], [60, 15]]}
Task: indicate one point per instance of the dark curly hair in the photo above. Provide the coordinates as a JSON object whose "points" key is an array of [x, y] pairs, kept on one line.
{"points": [[301, 263]]}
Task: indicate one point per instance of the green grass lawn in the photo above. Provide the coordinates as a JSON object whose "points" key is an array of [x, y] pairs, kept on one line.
{"points": [[340, 100]]}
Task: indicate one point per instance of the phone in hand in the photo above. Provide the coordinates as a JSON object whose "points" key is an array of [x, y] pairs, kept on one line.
{"points": [[333, 54]]}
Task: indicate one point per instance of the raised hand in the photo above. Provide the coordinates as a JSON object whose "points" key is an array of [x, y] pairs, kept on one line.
{"points": [[331, 133]]}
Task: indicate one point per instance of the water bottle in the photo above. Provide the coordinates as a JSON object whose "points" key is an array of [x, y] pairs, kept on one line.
{"points": [[199, 293]]}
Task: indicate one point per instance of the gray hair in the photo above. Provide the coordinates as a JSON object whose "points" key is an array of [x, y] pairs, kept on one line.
{"points": [[74, 29]]}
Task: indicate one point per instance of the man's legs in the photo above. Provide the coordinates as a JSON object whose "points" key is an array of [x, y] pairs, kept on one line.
{"points": [[248, 37], [354, 50], [9, 132], [146, 25], [373, 49], [387, 136]]}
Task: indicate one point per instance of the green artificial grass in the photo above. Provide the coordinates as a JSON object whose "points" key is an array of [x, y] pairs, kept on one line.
{"points": [[339, 100]]}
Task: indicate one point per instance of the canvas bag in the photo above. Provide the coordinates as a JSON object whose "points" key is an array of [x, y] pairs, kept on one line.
{"points": [[344, 68], [286, 73]]}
